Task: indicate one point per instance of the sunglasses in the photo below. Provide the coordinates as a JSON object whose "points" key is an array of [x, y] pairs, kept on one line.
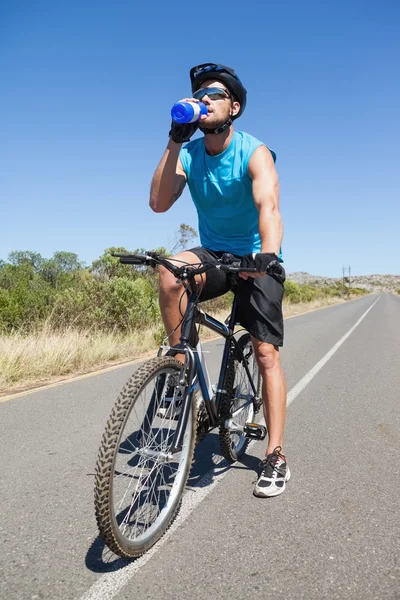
{"points": [[214, 93]]}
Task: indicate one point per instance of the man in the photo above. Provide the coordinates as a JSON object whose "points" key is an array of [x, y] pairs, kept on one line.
{"points": [[234, 185]]}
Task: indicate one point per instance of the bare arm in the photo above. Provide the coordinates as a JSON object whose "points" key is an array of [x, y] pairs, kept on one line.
{"points": [[266, 198], [168, 180]]}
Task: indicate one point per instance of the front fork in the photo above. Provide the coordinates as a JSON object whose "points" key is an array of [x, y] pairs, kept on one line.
{"points": [[187, 377]]}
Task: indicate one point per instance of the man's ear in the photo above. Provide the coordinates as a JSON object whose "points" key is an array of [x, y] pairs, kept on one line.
{"points": [[235, 108]]}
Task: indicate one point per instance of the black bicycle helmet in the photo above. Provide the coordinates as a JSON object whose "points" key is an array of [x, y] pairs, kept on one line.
{"points": [[220, 73]]}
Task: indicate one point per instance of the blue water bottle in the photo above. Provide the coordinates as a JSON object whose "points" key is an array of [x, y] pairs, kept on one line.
{"points": [[188, 112]]}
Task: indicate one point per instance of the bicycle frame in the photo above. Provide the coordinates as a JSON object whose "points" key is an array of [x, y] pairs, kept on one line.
{"points": [[195, 372]]}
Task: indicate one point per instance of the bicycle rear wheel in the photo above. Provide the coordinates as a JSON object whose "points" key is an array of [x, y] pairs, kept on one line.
{"points": [[139, 482], [239, 400]]}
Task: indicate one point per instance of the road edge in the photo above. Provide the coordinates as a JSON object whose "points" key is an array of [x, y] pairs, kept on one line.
{"points": [[72, 378]]}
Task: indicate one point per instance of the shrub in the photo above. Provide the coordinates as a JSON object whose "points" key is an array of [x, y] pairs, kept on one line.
{"points": [[357, 291], [308, 293], [119, 303], [25, 305], [292, 292]]}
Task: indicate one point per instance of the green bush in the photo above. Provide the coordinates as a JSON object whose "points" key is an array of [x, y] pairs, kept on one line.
{"points": [[308, 293], [119, 303], [292, 292], [295, 293], [335, 291], [357, 291], [131, 304], [107, 296], [25, 305]]}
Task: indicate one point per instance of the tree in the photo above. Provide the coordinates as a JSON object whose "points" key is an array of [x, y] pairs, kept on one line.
{"points": [[61, 269], [68, 261], [107, 266], [21, 257], [183, 236]]}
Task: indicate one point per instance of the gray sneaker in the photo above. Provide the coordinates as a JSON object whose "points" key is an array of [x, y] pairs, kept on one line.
{"points": [[274, 475]]}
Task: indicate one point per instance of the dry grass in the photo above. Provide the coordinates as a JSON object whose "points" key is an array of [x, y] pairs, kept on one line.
{"points": [[290, 310], [31, 361], [28, 361]]}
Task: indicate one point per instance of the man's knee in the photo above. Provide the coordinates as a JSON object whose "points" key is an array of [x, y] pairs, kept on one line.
{"points": [[168, 282], [267, 355]]}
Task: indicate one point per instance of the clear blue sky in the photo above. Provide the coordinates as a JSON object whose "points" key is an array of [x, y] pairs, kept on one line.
{"points": [[84, 116]]}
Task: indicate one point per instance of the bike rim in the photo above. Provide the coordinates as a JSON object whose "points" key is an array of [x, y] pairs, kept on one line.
{"points": [[147, 480], [243, 398]]}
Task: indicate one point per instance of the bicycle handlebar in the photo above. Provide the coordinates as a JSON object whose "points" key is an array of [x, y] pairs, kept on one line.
{"points": [[188, 271]]}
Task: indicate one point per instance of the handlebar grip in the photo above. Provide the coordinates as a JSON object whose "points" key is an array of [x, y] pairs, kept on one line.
{"points": [[236, 268], [132, 260], [273, 268]]}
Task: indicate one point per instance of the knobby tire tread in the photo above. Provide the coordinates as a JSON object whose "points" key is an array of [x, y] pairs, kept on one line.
{"points": [[108, 446]]}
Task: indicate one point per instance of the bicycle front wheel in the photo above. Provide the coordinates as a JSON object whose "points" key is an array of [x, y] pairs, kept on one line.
{"points": [[139, 482], [239, 399]]}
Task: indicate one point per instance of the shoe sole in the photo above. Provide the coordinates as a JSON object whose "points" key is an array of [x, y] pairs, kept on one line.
{"points": [[277, 491]]}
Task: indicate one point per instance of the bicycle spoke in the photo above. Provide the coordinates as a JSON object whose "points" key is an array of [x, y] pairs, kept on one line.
{"points": [[240, 406], [147, 479]]}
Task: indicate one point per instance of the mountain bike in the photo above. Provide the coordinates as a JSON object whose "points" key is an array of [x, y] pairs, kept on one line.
{"points": [[166, 406]]}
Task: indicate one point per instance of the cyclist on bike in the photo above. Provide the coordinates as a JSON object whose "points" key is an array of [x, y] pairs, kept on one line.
{"points": [[234, 186]]}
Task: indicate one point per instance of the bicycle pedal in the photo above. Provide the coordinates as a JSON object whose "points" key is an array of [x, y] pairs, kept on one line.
{"points": [[255, 431]]}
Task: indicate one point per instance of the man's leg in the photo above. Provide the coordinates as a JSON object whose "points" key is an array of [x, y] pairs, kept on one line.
{"points": [[173, 299], [173, 302], [274, 469], [273, 392], [260, 312]]}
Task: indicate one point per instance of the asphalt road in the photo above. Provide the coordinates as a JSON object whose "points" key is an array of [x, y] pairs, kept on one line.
{"points": [[333, 534]]}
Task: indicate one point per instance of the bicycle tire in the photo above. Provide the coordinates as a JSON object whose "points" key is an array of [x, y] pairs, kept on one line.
{"points": [[119, 446], [234, 444]]}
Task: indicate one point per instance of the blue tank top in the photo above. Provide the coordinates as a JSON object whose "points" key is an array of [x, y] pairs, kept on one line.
{"points": [[221, 189]]}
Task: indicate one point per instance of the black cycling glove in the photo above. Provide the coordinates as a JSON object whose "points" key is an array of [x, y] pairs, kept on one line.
{"points": [[182, 132], [263, 262]]}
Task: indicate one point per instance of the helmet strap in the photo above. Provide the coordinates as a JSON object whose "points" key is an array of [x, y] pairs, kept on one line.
{"points": [[219, 129]]}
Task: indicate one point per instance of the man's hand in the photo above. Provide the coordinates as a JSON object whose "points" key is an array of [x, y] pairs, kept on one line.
{"points": [[263, 262], [182, 132]]}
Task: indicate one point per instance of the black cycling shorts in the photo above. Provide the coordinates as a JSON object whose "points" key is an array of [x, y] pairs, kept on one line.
{"points": [[259, 308]]}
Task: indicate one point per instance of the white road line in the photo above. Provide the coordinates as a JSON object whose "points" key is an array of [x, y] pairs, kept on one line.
{"points": [[299, 387], [109, 584]]}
